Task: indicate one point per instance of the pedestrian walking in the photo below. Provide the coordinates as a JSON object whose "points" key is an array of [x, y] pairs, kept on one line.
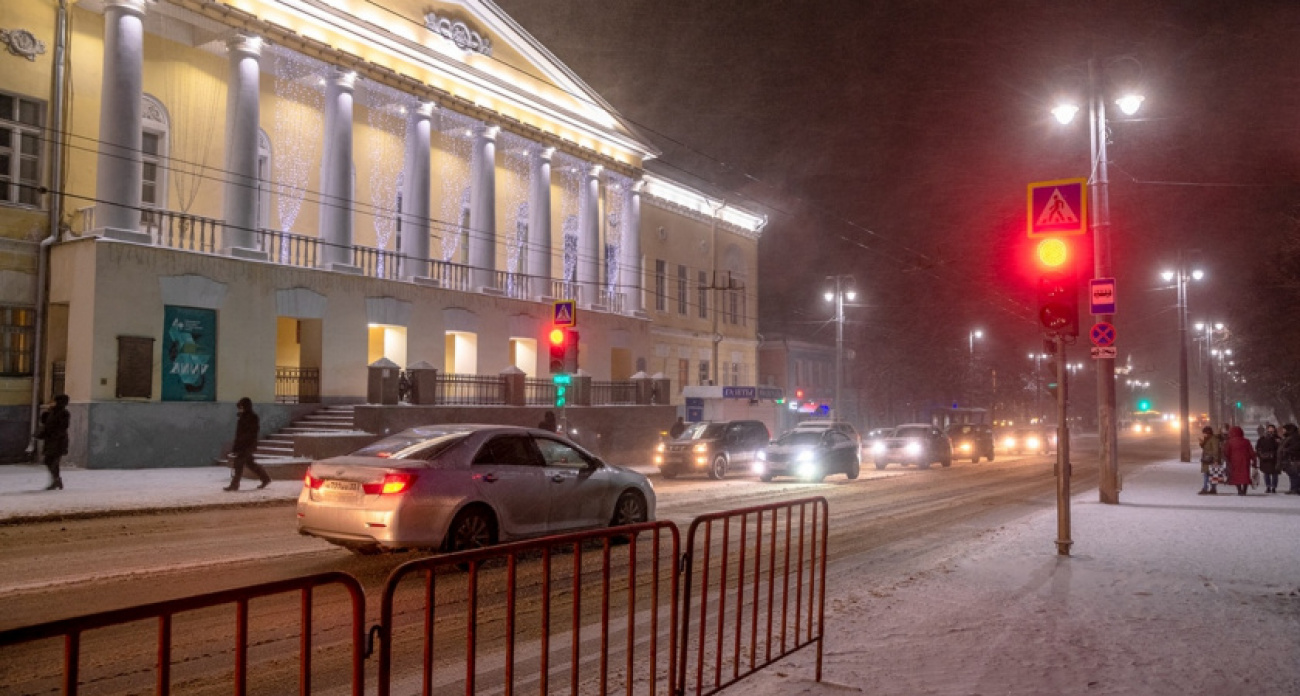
{"points": [[54, 432], [1289, 455], [1240, 457], [247, 429], [1211, 455], [548, 422], [1267, 452], [678, 428]]}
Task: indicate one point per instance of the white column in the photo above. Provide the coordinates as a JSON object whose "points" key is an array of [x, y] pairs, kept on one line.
{"points": [[416, 186], [589, 252], [482, 207], [119, 169], [629, 274], [243, 105], [540, 249], [336, 172]]}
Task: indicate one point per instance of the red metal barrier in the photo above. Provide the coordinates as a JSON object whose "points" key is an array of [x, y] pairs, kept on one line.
{"points": [[572, 582], [727, 568], [72, 629]]}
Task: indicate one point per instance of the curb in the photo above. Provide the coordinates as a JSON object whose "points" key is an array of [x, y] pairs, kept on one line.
{"points": [[71, 516]]}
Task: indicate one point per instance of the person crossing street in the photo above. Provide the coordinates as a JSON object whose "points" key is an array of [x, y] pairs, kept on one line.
{"points": [[247, 429]]}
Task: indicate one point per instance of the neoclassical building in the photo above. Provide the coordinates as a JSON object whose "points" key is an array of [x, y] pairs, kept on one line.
{"points": [[205, 200]]}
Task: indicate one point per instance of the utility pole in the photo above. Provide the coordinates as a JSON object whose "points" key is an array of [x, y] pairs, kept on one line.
{"points": [[1108, 485], [1063, 540]]}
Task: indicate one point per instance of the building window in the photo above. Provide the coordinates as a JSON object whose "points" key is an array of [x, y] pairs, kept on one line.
{"points": [[734, 378], [704, 294], [20, 150], [735, 306], [682, 296], [17, 340], [704, 373], [153, 156], [661, 285], [683, 373]]}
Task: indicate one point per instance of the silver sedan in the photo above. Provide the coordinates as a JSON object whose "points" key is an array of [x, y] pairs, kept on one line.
{"points": [[452, 487]]}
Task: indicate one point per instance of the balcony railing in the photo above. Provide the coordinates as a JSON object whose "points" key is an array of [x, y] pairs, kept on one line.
{"points": [[450, 275], [289, 249], [566, 290]]}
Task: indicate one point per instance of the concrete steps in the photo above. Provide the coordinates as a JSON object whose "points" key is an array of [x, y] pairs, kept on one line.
{"points": [[279, 445]]}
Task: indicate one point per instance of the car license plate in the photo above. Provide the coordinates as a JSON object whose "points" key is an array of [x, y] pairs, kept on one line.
{"points": [[340, 489]]}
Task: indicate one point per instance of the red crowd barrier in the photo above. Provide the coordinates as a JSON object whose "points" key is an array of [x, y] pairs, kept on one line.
{"points": [[754, 626], [72, 629], [662, 560]]}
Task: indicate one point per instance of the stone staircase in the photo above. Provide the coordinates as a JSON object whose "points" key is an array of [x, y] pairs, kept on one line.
{"points": [[278, 446]]}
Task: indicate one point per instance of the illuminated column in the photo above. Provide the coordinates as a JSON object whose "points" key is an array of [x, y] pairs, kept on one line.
{"points": [[239, 207], [629, 276], [539, 220], [415, 194], [336, 172], [482, 207], [589, 232], [119, 170]]}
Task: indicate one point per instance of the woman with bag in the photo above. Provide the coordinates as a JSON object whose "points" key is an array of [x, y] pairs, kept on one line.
{"points": [[1240, 457], [1266, 449], [1211, 456]]}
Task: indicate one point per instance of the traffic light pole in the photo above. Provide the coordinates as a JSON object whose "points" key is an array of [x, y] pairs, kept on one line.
{"points": [[1063, 540], [1108, 486]]}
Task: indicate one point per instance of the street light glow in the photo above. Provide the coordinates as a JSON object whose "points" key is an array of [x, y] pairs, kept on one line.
{"points": [[851, 295], [1198, 274], [1129, 103], [830, 296], [1166, 276], [1065, 113]]}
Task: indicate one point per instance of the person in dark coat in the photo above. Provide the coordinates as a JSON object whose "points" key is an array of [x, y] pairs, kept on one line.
{"points": [[678, 428], [548, 422], [1289, 456], [247, 429], [1267, 449], [1240, 457], [54, 431], [1211, 455]]}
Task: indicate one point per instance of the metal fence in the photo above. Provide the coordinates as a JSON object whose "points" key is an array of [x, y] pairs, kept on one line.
{"points": [[483, 390], [297, 385], [749, 614], [539, 392], [617, 393], [71, 630]]}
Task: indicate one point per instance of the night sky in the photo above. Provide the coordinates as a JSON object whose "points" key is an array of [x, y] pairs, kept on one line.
{"points": [[894, 140]]}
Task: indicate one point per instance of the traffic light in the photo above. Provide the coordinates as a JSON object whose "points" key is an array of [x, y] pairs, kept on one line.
{"points": [[571, 352], [559, 341], [1144, 404], [1058, 291]]}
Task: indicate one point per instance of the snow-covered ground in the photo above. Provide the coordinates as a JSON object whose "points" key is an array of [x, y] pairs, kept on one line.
{"points": [[1167, 593]]}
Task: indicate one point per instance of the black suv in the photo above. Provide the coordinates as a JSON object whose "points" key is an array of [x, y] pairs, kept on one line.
{"points": [[970, 440], [712, 448]]}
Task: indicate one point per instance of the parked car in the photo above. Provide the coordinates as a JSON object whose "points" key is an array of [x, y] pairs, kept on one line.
{"points": [[1027, 441], [713, 448], [453, 487], [811, 455], [921, 444], [971, 440]]}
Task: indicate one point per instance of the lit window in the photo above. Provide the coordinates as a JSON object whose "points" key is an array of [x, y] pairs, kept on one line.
{"points": [[17, 340]]}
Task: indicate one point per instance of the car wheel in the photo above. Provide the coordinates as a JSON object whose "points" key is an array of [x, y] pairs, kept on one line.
{"points": [[718, 469], [473, 528], [855, 468], [881, 465], [630, 509], [923, 465], [765, 478], [990, 456], [946, 462], [975, 459]]}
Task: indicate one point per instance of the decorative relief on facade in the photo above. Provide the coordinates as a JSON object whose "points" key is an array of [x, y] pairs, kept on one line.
{"points": [[459, 33], [22, 43]]}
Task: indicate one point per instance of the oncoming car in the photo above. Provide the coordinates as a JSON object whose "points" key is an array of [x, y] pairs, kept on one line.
{"points": [[921, 444], [712, 448], [1027, 441], [971, 440], [811, 455], [453, 487]]}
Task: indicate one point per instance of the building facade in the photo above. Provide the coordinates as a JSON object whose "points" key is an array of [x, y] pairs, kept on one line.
{"points": [[201, 201]]}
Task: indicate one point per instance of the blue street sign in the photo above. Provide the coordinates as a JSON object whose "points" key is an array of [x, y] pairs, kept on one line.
{"points": [[564, 313], [1058, 208], [1102, 335], [1102, 293]]}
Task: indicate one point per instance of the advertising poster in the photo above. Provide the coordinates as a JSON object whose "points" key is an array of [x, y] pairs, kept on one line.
{"points": [[189, 356]]}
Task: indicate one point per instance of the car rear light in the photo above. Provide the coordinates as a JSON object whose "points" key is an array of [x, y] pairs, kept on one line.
{"points": [[391, 485], [312, 482]]}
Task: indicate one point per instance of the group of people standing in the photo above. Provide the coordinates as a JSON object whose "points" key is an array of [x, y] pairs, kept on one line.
{"points": [[1272, 454]]}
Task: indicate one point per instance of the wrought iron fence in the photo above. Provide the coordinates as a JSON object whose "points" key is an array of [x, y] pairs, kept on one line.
{"points": [[613, 393], [484, 390], [539, 392], [297, 385]]}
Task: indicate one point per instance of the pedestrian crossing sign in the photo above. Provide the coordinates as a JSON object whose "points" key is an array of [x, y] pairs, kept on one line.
{"points": [[564, 313], [1058, 208]]}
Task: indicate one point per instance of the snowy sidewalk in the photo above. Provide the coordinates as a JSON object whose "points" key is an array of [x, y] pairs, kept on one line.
{"points": [[1167, 593]]}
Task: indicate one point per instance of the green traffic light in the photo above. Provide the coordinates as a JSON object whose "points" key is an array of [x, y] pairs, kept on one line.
{"points": [[1144, 405]]}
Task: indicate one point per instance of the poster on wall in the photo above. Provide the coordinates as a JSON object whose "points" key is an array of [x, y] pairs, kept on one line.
{"points": [[189, 356]]}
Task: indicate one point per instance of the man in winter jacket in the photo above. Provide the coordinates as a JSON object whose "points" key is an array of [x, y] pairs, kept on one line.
{"points": [[54, 431], [246, 431]]}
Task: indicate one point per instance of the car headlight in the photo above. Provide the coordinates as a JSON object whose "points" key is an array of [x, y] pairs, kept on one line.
{"points": [[965, 446], [878, 448], [1009, 443], [1032, 443], [913, 448], [807, 469], [805, 456], [702, 447], [660, 448], [758, 468], [762, 456], [1137, 427]]}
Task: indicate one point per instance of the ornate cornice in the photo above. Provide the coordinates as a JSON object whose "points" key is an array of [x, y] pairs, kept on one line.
{"points": [[22, 43], [459, 33], [696, 215]]}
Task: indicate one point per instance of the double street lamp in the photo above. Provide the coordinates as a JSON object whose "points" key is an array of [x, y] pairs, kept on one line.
{"points": [[1210, 351], [1128, 102], [843, 290], [1182, 276]]}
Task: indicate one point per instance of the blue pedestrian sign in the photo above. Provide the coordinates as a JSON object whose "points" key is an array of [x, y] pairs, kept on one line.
{"points": [[1102, 335], [1058, 208], [1101, 291], [564, 313]]}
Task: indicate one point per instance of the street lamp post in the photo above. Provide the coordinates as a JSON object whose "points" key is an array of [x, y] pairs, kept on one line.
{"points": [[1100, 222], [843, 290], [1181, 276], [1210, 352], [976, 333], [1038, 383]]}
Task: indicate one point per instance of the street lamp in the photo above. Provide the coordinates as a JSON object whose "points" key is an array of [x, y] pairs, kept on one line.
{"points": [[972, 336], [843, 291], [1181, 276], [1128, 103], [1210, 352]]}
